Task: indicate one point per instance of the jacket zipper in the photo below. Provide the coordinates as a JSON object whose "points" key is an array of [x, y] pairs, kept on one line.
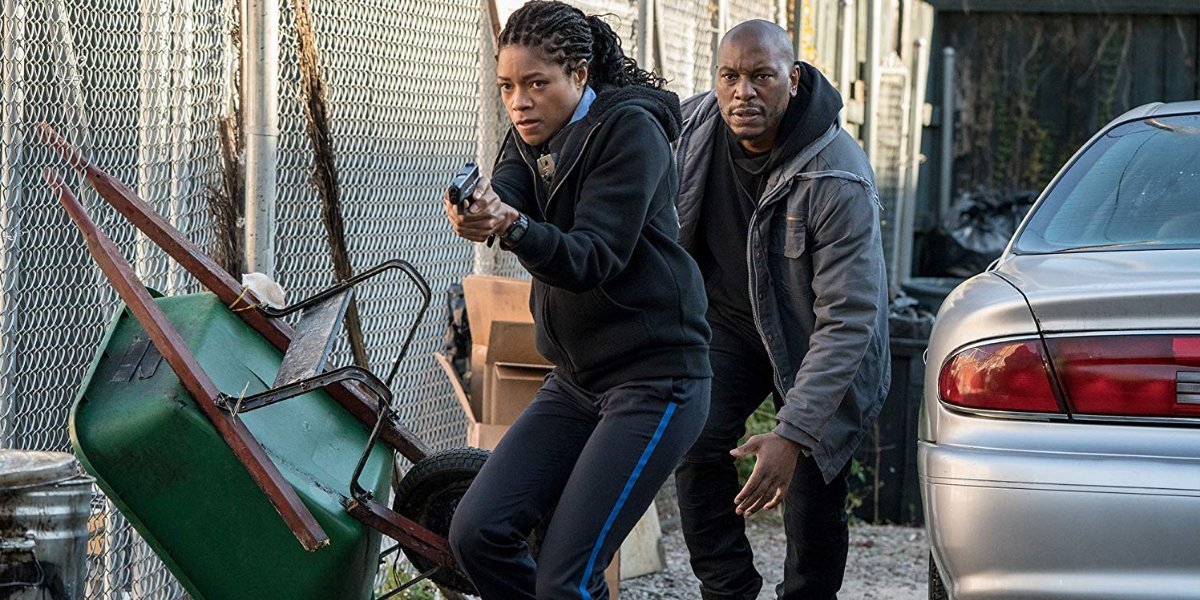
{"points": [[532, 173], [753, 231], [750, 267], [579, 157], [545, 211]]}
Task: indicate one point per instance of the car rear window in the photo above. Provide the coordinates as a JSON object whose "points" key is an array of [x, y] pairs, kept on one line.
{"points": [[1137, 186]]}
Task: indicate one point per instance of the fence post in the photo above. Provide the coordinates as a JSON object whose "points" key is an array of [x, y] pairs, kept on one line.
{"points": [[915, 128], [846, 63], [870, 131], [11, 192], [947, 180], [260, 110], [645, 35]]}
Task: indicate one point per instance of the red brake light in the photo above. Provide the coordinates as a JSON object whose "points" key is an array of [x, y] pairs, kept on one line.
{"points": [[1128, 375], [1007, 376]]}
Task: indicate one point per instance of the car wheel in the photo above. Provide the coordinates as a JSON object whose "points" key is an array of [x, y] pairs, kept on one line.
{"points": [[429, 494], [937, 589]]}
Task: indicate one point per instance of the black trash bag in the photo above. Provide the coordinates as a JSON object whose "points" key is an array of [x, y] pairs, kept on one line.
{"points": [[458, 334], [975, 232], [907, 320]]}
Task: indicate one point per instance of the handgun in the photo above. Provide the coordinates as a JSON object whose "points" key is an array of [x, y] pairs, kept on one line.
{"points": [[462, 185]]}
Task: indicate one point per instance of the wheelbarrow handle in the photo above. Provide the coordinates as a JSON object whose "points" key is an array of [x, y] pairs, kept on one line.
{"points": [[169, 343]]}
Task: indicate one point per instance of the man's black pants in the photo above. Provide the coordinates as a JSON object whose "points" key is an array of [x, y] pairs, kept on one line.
{"points": [[707, 482], [600, 457]]}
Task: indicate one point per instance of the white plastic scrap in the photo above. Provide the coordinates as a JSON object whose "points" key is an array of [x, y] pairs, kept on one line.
{"points": [[266, 289]]}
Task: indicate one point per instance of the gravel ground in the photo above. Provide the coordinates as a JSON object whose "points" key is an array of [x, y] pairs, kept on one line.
{"points": [[885, 563]]}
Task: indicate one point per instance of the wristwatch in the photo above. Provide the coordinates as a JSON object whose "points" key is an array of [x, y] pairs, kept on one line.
{"points": [[516, 231]]}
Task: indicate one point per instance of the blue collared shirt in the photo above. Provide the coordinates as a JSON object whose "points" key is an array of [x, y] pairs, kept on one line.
{"points": [[585, 103]]}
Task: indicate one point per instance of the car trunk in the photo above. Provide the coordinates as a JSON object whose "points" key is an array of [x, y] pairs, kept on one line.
{"points": [[1110, 290], [1121, 330]]}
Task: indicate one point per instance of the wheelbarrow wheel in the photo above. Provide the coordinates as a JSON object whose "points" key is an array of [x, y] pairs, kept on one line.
{"points": [[429, 494]]}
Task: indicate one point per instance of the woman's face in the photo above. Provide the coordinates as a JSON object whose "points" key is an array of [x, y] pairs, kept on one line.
{"points": [[540, 96]]}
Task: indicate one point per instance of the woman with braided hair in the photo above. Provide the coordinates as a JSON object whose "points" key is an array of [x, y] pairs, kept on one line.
{"points": [[583, 194]]}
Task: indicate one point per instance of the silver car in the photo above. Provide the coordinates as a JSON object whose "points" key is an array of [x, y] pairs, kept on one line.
{"points": [[1059, 449]]}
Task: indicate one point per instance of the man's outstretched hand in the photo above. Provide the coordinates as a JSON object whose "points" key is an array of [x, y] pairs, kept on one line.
{"points": [[773, 470]]}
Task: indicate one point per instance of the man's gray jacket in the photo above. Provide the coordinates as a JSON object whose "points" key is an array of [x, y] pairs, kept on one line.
{"points": [[818, 285]]}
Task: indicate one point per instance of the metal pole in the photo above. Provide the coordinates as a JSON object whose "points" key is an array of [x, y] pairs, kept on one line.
{"points": [[645, 32], [260, 111], [12, 45], [846, 31], [945, 188], [798, 28], [870, 132], [916, 123]]}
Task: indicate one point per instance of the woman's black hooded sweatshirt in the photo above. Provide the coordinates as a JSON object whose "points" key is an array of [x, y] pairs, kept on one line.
{"points": [[615, 298]]}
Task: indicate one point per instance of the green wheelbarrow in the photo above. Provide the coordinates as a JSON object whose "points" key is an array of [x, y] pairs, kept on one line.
{"points": [[251, 469]]}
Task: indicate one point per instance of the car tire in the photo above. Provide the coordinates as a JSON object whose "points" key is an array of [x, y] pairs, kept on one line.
{"points": [[429, 494], [937, 589]]}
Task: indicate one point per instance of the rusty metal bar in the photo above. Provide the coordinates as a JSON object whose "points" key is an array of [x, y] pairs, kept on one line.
{"points": [[164, 337], [402, 529], [227, 289]]}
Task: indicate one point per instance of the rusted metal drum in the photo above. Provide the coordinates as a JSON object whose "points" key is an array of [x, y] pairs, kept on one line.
{"points": [[44, 506]]}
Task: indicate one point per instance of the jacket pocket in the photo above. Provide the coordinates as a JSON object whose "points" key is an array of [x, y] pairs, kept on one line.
{"points": [[788, 235], [626, 313]]}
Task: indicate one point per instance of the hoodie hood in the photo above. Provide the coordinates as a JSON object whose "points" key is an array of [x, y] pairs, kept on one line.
{"points": [[568, 143], [810, 113], [661, 104]]}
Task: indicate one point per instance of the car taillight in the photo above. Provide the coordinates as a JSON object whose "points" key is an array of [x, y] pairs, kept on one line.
{"points": [[1004, 376], [1129, 375]]}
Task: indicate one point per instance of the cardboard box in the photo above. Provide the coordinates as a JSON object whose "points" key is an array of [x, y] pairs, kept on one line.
{"points": [[490, 299], [513, 372], [510, 391], [479, 434], [506, 369]]}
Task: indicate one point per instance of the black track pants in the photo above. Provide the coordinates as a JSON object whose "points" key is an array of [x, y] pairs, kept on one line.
{"points": [[707, 482], [597, 461]]}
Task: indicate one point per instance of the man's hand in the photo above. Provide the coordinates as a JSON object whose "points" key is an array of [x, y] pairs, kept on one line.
{"points": [[768, 484], [486, 216]]}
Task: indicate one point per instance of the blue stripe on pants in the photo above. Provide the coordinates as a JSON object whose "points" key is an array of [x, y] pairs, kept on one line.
{"points": [[612, 516]]}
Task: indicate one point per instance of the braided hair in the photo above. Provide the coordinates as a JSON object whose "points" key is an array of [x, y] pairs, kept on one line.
{"points": [[566, 36]]}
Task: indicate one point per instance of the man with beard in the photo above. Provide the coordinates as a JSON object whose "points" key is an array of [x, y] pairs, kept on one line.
{"points": [[778, 205]]}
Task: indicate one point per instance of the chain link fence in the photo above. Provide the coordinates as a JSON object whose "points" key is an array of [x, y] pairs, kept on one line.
{"points": [[140, 86], [687, 31], [137, 86], [744, 10], [403, 94]]}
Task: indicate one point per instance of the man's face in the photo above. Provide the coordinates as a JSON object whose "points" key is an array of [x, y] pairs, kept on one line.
{"points": [[540, 96], [754, 86]]}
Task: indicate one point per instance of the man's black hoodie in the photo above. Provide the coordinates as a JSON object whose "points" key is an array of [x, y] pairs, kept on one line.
{"points": [[615, 298]]}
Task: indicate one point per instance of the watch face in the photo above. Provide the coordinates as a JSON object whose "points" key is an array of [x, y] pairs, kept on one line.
{"points": [[517, 229]]}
